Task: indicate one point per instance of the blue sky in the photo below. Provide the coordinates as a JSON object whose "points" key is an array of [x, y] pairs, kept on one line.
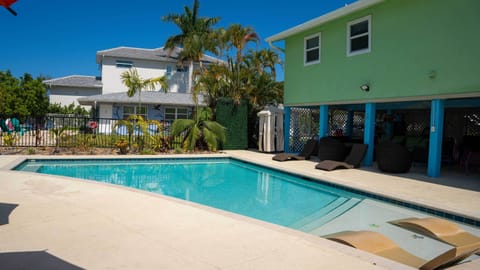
{"points": [[59, 38]]}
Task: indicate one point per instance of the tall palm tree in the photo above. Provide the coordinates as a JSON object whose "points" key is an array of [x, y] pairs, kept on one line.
{"points": [[135, 84], [194, 38], [238, 36]]}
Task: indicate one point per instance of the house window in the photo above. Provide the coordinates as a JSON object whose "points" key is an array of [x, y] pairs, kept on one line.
{"points": [[124, 64], [182, 68], [312, 49], [359, 36], [172, 113], [168, 71], [134, 110]]}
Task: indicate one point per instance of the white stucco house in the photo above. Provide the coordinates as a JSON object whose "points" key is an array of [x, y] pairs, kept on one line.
{"points": [[67, 90], [107, 94]]}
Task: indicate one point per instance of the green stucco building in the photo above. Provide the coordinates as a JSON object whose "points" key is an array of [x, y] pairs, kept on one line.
{"points": [[381, 56]]}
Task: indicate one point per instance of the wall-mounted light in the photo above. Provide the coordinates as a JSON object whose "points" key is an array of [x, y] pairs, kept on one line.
{"points": [[365, 87]]}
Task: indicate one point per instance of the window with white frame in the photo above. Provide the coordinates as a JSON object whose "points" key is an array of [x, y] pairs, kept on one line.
{"points": [[172, 113], [312, 49], [124, 64], [168, 71], [359, 36], [134, 110]]}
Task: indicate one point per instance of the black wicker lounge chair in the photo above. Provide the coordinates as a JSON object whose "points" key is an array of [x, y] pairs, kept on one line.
{"points": [[353, 159], [331, 149], [393, 158], [307, 151]]}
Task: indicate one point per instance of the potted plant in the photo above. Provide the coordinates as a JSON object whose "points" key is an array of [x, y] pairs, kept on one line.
{"points": [[122, 145]]}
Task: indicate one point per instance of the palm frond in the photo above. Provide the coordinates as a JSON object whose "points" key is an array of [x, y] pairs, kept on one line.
{"points": [[210, 138], [181, 125], [218, 130]]}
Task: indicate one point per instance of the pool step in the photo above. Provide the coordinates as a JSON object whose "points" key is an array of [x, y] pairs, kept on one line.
{"points": [[326, 214], [319, 214], [32, 168]]}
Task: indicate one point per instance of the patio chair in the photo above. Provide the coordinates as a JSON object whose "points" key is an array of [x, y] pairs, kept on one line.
{"points": [[393, 158], [306, 153], [353, 159], [440, 229], [331, 149], [383, 246]]}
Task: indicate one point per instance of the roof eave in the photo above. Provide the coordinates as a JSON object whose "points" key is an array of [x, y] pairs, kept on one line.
{"points": [[356, 6]]}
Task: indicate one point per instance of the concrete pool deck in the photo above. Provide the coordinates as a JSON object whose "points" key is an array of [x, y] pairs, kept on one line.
{"points": [[90, 225]]}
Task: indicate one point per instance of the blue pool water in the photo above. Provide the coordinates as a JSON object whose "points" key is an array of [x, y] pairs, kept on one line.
{"points": [[222, 183], [242, 188]]}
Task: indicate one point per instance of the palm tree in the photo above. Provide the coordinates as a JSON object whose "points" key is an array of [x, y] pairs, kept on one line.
{"points": [[263, 61], [200, 130], [238, 36], [135, 84], [195, 36]]}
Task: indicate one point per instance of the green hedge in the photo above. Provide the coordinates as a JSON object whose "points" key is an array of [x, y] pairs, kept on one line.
{"points": [[234, 117]]}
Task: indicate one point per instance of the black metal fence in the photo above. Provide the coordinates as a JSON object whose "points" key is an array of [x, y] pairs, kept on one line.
{"points": [[75, 131]]}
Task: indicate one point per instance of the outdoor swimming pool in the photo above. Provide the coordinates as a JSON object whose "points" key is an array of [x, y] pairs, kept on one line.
{"points": [[222, 183], [231, 185]]}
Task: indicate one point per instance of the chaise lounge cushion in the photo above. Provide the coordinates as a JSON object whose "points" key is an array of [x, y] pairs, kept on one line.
{"points": [[307, 151], [353, 159]]}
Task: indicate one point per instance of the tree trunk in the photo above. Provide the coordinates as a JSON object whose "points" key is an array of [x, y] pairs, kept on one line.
{"points": [[190, 77]]}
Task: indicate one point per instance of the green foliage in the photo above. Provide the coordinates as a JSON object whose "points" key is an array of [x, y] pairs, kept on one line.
{"points": [[235, 119], [135, 84], [57, 133], [159, 143], [199, 131], [70, 109], [23, 97], [10, 139], [31, 151]]}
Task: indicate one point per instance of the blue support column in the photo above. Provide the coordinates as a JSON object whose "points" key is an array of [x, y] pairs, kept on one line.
{"points": [[436, 136], [323, 119], [349, 126], [286, 129], [369, 132]]}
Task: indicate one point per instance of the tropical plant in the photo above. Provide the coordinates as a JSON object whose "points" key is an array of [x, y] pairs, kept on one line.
{"points": [[10, 139], [199, 131], [135, 84], [195, 38], [263, 61], [57, 134], [70, 109], [238, 37], [138, 133]]}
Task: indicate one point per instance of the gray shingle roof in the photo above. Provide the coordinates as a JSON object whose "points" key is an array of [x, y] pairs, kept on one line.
{"points": [[76, 81], [147, 97], [158, 54]]}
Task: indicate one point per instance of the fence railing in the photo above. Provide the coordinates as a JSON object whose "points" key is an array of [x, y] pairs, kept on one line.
{"points": [[71, 131]]}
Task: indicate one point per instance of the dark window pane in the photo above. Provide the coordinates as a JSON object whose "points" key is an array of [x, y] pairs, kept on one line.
{"points": [[359, 28], [359, 43], [312, 43], [313, 55]]}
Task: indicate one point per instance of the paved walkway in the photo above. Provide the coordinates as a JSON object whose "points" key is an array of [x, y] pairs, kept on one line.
{"points": [[73, 224]]}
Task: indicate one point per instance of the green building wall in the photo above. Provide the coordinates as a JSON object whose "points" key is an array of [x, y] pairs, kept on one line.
{"points": [[419, 49]]}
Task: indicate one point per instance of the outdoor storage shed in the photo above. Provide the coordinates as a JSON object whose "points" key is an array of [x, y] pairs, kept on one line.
{"points": [[270, 128]]}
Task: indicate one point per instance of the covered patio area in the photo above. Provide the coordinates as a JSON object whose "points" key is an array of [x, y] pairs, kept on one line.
{"points": [[440, 135]]}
